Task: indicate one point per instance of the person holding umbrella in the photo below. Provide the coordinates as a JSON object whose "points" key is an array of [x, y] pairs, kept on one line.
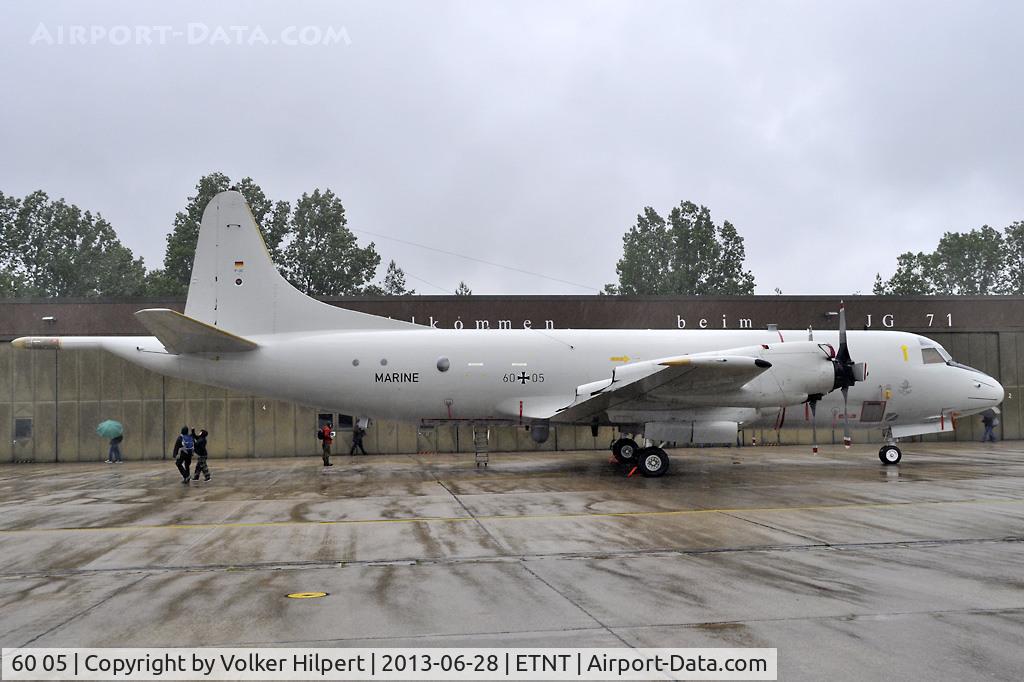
{"points": [[115, 432]]}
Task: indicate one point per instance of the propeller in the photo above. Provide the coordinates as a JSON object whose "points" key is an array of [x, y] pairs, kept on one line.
{"points": [[812, 400], [847, 371]]}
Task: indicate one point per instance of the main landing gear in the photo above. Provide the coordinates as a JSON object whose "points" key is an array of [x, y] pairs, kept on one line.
{"points": [[890, 454], [651, 462], [624, 450]]}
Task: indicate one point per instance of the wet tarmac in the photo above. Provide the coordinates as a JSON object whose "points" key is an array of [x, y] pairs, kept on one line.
{"points": [[853, 570]]}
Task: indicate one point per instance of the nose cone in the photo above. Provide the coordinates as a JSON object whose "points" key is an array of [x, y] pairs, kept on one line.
{"points": [[997, 391], [988, 389]]}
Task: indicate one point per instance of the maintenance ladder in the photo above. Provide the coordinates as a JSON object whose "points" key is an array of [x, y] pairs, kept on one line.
{"points": [[481, 442]]}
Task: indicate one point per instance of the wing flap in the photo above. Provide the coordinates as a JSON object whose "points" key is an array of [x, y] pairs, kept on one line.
{"points": [[661, 380], [181, 334]]}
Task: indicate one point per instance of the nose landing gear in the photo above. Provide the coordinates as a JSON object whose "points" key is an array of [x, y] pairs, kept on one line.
{"points": [[889, 453]]}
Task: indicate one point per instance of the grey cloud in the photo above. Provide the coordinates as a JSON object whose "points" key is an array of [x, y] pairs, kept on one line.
{"points": [[532, 133]]}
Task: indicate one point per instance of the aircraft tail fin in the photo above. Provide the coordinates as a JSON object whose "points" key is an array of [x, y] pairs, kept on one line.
{"points": [[181, 334], [236, 286]]}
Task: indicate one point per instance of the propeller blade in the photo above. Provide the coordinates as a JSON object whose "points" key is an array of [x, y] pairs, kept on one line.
{"points": [[843, 354], [842, 323], [846, 417], [814, 427]]}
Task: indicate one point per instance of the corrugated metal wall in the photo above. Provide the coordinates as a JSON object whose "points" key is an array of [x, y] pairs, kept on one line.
{"points": [[66, 394]]}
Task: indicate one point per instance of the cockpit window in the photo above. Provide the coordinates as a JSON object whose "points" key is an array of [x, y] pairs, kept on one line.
{"points": [[934, 354], [928, 350]]}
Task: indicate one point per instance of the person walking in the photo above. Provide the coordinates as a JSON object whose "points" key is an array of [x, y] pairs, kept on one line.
{"points": [[184, 446], [201, 467], [357, 440], [114, 456], [988, 418], [326, 437]]}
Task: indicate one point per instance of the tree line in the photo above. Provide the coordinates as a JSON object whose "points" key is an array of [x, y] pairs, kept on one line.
{"points": [[50, 248], [976, 263]]}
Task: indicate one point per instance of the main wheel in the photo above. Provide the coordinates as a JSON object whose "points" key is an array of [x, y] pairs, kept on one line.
{"points": [[653, 462], [624, 450], [890, 454]]}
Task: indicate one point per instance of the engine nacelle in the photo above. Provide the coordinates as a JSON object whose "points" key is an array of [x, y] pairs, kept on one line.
{"points": [[800, 368]]}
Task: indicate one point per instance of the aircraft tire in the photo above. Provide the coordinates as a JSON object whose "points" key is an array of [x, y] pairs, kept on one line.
{"points": [[889, 455], [625, 450], [653, 462]]}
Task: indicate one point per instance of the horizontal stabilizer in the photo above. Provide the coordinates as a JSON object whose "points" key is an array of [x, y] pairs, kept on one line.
{"points": [[181, 334]]}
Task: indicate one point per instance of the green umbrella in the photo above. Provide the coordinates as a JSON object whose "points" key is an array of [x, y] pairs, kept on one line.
{"points": [[109, 429]]}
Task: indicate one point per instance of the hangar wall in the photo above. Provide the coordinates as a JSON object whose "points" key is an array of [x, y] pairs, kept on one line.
{"points": [[65, 394], [51, 401]]}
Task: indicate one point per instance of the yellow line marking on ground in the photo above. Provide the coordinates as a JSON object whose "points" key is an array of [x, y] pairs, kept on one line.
{"points": [[522, 517]]}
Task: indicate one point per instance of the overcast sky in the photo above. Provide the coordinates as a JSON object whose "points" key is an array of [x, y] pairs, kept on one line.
{"points": [[833, 135]]}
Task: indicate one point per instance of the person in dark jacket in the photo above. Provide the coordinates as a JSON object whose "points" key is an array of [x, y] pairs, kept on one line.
{"points": [[357, 440], [115, 450], [989, 421], [184, 446], [201, 456]]}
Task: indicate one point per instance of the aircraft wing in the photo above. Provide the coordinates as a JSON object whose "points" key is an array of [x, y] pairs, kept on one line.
{"points": [[660, 380], [181, 334]]}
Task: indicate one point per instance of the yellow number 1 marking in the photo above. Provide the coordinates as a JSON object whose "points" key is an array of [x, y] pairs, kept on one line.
{"points": [[906, 358]]}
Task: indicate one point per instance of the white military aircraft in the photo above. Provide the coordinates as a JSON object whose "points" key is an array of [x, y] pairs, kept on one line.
{"points": [[246, 328]]}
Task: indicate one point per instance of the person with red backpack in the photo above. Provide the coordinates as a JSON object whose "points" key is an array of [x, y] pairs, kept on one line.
{"points": [[326, 437], [184, 446]]}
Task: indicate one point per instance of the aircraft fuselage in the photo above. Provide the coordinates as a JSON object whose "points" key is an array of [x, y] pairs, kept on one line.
{"points": [[519, 374]]}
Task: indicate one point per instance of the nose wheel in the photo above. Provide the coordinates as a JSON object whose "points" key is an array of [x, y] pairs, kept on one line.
{"points": [[889, 455]]}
